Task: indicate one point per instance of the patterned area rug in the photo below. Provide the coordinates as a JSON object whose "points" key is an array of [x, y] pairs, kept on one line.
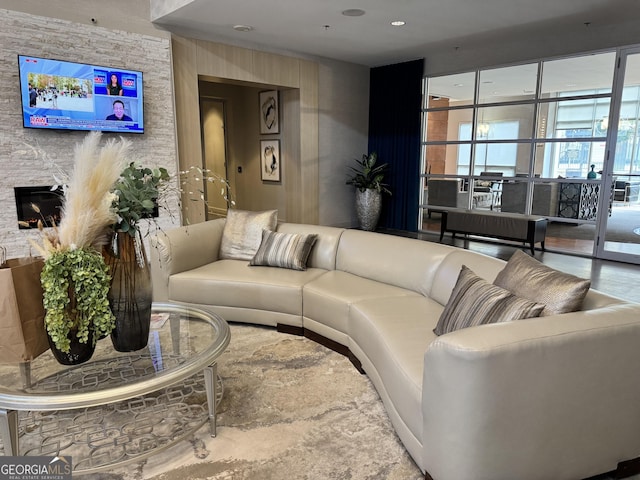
{"points": [[292, 409]]}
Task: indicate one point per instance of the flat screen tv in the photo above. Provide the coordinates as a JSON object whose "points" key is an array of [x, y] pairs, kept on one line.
{"points": [[76, 96]]}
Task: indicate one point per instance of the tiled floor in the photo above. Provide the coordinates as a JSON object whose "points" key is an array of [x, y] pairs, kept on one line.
{"points": [[615, 278]]}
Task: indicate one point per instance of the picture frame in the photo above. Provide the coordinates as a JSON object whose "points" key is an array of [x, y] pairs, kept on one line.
{"points": [[270, 161], [269, 111]]}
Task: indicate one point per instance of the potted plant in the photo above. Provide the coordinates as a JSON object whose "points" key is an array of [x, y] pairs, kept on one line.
{"points": [[368, 178], [136, 194], [104, 202], [75, 279], [75, 286]]}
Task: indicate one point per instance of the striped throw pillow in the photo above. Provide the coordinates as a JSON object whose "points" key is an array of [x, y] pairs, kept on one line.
{"points": [[284, 250], [475, 301]]}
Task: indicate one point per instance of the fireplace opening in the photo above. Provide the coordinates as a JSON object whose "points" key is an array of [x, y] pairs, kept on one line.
{"points": [[38, 203]]}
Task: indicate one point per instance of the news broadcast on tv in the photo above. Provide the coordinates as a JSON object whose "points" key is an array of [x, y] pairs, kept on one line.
{"points": [[75, 96]]}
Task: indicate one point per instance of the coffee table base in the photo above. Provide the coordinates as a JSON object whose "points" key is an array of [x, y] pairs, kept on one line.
{"points": [[112, 435]]}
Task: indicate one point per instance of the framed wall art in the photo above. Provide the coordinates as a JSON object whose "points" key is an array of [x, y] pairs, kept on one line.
{"points": [[270, 164], [269, 112]]}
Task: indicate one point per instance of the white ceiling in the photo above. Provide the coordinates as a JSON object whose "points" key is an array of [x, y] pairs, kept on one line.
{"points": [[317, 27]]}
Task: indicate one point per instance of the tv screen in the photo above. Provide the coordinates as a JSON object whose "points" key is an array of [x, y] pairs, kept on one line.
{"points": [[76, 96]]}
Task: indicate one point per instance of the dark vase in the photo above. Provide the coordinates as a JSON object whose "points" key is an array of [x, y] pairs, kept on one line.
{"points": [[78, 352], [130, 295]]}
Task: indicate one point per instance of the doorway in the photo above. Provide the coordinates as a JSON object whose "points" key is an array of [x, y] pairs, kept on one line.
{"points": [[620, 230], [214, 145]]}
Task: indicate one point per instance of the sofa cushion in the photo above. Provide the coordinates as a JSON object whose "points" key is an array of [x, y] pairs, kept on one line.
{"points": [[528, 278], [390, 259], [284, 250], [242, 232], [235, 283], [448, 271], [474, 301], [328, 298], [389, 335]]}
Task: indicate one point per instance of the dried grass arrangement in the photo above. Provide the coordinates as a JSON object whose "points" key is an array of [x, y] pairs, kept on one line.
{"points": [[75, 278], [87, 213], [106, 192]]}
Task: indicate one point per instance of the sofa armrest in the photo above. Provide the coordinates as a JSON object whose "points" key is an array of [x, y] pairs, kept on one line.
{"points": [[181, 249], [551, 397]]}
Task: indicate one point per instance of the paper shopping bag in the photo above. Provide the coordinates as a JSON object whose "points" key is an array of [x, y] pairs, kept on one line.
{"points": [[22, 333]]}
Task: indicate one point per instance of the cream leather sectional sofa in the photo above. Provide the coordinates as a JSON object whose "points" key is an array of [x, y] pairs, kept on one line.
{"points": [[555, 397]]}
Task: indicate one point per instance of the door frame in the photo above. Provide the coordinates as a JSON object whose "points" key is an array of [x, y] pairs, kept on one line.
{"points": [[607, 175]]}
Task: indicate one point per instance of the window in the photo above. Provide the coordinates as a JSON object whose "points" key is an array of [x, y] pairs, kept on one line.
{"points": [[489, 157], [540, 120]]}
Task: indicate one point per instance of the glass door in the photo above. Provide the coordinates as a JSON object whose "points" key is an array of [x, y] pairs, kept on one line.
{"points": [[619, 231]]}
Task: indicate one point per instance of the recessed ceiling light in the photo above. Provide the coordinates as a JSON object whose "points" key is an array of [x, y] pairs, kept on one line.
{"points": [[398, 23], [353, 12], [242, 28], [458, 84]]}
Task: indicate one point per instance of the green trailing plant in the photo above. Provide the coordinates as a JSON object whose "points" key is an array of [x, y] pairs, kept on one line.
{"points": [[76, 284], [369, 174]]}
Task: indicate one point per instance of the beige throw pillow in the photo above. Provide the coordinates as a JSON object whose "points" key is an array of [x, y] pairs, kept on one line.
{"points": [[242, 233], [284, 250], [474, 301], [526, 277]]}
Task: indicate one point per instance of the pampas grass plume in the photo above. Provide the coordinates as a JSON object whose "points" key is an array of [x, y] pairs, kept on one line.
{"points": [[86, 210]]}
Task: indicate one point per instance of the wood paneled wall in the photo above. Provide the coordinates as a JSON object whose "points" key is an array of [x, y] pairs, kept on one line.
{"points": [[297, 79]]}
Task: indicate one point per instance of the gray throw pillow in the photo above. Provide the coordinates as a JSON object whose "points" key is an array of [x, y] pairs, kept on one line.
{"points": [[242, 233], [474, 301], [526, 277], [284, 250]]}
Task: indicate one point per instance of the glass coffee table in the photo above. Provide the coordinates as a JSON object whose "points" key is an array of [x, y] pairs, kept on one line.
{"points": [[118, 408]]}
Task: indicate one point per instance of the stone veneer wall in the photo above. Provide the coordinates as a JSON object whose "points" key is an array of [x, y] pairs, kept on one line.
{"points": [[20, 164]]}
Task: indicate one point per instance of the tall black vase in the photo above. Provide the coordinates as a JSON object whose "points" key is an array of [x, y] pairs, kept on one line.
{"points": [[130, 295]]}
